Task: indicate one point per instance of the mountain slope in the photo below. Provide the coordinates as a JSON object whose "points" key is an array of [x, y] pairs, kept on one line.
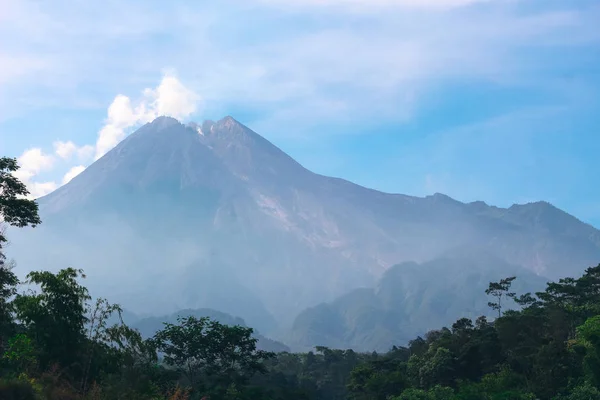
{"points": [[409, 300], [213, 215]]}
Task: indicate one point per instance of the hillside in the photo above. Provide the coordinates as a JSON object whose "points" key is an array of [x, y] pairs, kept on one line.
{"points": [[215, 216], [409, 300]]}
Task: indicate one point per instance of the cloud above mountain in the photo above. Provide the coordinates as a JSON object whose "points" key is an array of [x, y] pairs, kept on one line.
{"points": [[170, 98]]}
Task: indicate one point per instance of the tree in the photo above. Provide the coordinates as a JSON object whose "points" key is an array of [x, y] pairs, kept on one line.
{"points": [[98, 333], [588, 337], [578, 298], [435, 367], [583, 392], [210, 355], [17, 211], [128, 365], [55, 317], [20, 353], [499, 290], [436, 393], [527, 300], [377, 380], [8, 289]]}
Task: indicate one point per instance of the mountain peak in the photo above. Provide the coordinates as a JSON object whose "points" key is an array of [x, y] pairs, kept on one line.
{"points": [[230, 125], [164, 121], [246, 152], [228, 119], [442, 198], [537, 207], [208, 126]]}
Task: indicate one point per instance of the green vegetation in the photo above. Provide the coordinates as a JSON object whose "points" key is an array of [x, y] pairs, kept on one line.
{"points": [[56, 343], [149, 326]]}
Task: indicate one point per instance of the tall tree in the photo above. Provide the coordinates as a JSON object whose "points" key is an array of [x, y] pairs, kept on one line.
{"points": [[500, 290], [98, 333], [17, 211], [588, 337]]}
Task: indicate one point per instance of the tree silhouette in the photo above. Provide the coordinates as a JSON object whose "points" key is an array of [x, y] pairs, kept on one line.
{"points": [[500, 290]]}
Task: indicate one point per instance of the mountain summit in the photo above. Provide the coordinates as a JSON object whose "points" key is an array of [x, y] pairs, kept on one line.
{"points": [[214, 215]]}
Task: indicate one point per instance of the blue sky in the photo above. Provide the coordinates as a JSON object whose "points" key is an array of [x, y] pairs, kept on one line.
{"points": [[495, 100]]}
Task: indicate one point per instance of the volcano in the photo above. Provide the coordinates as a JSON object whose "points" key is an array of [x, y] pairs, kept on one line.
{"points": [[213, 215]]}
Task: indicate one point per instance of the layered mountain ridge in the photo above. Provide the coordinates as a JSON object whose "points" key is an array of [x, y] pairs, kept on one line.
{"points": [[213, 215]]}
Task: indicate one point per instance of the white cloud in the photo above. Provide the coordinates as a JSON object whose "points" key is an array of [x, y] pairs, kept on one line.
{"points": [[65, 150], [110, 135], [32, 162], [72, 173], [40, 189], [85, 153], [170, 98], [74, 54]]}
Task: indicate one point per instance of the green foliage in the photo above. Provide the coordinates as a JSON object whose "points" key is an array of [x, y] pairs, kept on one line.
{"points": [[436, 393], [378, 380], [435, 367], [20, 354], [8, 289], [503, 385], [55, 317], [211, 356], [547, 350], [582, 392], [588, 338], [15, 210]]}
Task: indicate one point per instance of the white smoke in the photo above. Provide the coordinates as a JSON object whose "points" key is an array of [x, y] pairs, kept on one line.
{"points": [[170, 98]]}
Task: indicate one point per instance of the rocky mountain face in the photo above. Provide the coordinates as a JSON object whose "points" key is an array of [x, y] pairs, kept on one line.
{"points": [[213, 215]]}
